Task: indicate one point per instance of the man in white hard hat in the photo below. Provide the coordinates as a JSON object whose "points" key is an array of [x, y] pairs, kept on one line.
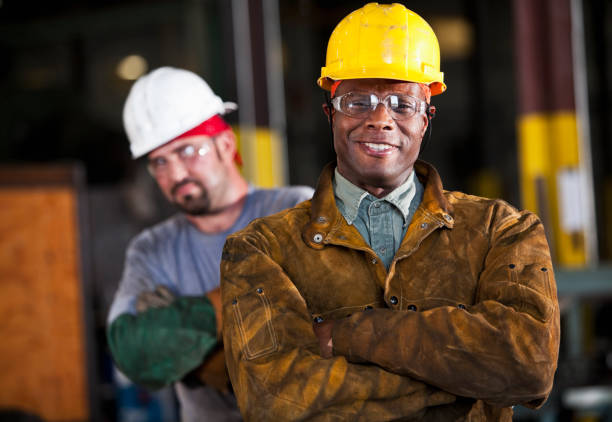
{"points": [[165, 319]]}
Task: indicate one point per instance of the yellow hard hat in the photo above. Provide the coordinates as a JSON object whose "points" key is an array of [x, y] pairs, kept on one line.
{"points": [[383, 41]]}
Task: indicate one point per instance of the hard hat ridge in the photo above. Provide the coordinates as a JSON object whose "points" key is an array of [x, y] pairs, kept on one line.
{"points": [[166, 103]]}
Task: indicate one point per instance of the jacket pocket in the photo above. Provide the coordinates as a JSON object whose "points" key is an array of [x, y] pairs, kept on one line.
{"points": [[253, 317], [427, 303]]}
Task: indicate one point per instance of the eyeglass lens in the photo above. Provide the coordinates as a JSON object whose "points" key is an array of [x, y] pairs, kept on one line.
{"points": [[187, 154]]}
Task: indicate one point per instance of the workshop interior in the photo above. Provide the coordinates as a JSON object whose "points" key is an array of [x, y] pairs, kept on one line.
{"points": [[527, 117]]}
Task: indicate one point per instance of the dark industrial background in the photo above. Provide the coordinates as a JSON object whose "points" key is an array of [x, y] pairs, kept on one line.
{"points": [[62, 97]]}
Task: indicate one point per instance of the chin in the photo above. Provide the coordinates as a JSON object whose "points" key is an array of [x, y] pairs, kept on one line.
{"points": [[379, 173], [199, 205], [194, 208], [195, 211], [383, 179]]}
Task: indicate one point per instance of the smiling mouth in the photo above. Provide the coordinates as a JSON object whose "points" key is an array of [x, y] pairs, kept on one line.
{"points": [[379, 147]]}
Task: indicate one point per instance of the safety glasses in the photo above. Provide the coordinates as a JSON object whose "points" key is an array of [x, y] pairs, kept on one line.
{"points": [[361, 104], [187, 154]]}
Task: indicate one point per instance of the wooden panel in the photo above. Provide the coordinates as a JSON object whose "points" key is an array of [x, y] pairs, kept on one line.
{"points": [[42, 352]]}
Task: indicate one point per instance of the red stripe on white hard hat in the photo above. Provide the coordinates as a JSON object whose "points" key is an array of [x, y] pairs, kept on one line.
{"points": [[211, 127]]}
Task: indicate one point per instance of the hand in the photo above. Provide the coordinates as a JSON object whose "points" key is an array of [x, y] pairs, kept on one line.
{"points": [[158, 298], [212, 372], [323, 331], [215, 299]]}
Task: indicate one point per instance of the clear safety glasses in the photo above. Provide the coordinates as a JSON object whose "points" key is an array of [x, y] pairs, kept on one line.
{"points": [[187, 154], [361, 104]]}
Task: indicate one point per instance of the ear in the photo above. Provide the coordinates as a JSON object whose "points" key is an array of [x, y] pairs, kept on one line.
{"points": [[425, 120], [327, 111], [226, 145]]}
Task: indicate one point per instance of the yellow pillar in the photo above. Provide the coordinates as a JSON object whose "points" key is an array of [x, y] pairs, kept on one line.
{"points": [[262, 155]]}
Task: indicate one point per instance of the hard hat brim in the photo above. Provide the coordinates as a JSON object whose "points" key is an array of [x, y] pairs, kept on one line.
{"points": [[436, 87]]}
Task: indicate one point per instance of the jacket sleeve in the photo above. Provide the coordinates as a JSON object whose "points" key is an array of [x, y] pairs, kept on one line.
{"points": [[161, 345], [503, 349], [272, 353]]}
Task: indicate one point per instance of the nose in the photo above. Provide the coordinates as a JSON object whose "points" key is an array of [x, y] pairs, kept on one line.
{"points": [[380, 118], [176, 171]]}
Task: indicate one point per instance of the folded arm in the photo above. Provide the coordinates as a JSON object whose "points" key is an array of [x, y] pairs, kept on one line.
{"points": [[155, 337], [272, 352], [502, 349]]}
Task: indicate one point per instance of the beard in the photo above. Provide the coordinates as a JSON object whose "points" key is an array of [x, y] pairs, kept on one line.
{"points": [[192, 204]]}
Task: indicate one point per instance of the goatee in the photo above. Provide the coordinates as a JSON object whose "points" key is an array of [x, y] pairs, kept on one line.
{"points": [[193, 204]]}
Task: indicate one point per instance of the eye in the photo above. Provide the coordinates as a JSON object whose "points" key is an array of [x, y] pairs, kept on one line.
{"points": [[157, 165], [203, 150], [158, 162], [402, 104], [187, 151], [357, 103]]}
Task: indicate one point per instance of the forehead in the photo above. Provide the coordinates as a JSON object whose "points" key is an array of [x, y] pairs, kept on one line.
{"points": [[381, 86], [175, 144]]}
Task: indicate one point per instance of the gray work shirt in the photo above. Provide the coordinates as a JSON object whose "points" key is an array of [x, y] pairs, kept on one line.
{"points": [[174, 253]]}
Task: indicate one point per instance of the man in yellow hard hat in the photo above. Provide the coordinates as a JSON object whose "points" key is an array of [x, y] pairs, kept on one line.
{"points": [[387, 297]]}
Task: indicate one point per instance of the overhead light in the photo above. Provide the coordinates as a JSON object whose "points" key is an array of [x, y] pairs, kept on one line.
{"points": [[589, 397], [455, 35], [132, 67]]}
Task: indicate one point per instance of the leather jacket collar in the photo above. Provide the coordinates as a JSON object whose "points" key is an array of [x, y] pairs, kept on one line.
{"points": [[327, 224]]}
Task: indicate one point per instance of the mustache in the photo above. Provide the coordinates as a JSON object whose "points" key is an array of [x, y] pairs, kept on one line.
{"points": [[182, 183]]}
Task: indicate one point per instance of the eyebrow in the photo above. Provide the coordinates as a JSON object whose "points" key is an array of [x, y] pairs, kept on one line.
{"points": [[177, 149]]}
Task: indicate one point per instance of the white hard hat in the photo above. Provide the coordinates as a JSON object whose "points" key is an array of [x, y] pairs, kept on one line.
{"points": [[166, 103]]}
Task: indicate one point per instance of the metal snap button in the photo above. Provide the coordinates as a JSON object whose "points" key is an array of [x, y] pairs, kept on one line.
{"points": [[447, 217], [318, 319], [393, 300], [424, 225], [412, 308], [322, 219], [317, 238], [259, 290], [374, 261], [461, 306]]}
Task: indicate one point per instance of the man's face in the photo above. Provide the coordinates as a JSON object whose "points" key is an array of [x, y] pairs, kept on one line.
{"points": [[190, 173], [376, 152]]}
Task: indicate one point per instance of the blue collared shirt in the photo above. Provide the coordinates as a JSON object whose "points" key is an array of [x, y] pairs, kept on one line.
{"points": [[382, 222]]}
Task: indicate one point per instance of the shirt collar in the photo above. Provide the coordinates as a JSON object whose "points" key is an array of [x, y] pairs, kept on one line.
{"points": [[350, 196]]}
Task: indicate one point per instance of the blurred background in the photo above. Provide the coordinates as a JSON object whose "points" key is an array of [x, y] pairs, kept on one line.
{"points": [[527, 117]]}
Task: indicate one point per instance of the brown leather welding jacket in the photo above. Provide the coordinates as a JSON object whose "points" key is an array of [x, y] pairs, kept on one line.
{"points": [[464, 324]]}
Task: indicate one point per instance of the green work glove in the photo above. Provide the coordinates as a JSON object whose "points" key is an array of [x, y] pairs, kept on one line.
{"points": [[162, 344]]}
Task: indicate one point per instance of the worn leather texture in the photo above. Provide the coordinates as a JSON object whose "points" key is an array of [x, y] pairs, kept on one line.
{"points": [[464, 325]]}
